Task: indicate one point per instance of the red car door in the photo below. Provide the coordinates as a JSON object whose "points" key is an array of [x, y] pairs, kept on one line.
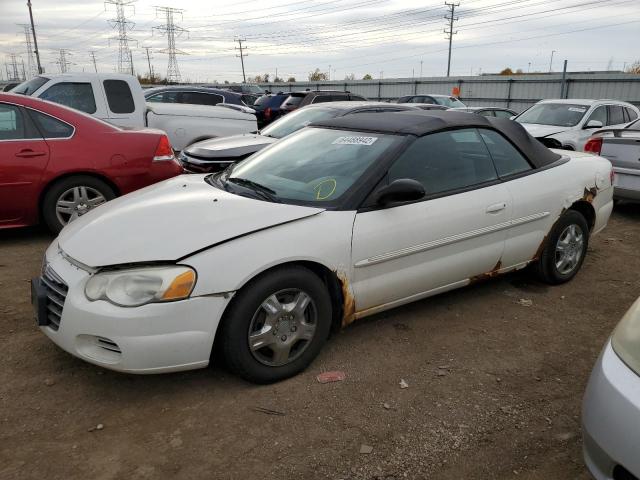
{"points": [[24, 155]]}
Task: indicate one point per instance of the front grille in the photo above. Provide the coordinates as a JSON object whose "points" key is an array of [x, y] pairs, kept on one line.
{"points": [[56, 295]]}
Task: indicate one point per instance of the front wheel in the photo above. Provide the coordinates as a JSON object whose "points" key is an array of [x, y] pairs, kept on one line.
{"points": [[71, 198], [276, 325], [565, 250]]}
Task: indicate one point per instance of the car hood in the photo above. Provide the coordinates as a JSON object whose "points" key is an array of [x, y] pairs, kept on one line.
{"points": [[234, 146], [537, 131], [168, 221]]}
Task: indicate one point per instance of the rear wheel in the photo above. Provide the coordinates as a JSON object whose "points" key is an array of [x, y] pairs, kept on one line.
{"points": [[71, 198], [276, 325], [565, 250]]}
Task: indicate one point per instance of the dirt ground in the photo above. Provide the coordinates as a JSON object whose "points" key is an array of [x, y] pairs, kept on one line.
{"points": [[494, 388]]}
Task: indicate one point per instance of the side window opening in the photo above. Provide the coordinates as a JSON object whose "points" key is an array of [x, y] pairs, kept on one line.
{"points": [[507, 159], [119, 96], [446, 161], [12, 125], [72, 94], [49, 126]]}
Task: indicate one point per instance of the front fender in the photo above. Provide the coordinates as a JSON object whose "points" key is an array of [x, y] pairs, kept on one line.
{"points": [[324, 239]]}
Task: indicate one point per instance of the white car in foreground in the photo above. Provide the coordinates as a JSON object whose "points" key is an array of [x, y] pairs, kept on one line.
{"points": [[568, 124], [342, 219], [611, 406]]}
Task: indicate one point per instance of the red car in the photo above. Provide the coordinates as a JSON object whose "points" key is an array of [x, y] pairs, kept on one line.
{"points": [[57, 163]]}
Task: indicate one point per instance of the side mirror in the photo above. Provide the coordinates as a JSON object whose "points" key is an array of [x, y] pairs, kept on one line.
{"points": [[401, 190], [593, 124]]}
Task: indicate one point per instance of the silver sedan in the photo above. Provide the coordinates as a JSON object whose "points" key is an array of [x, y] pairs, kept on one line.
{"points": [[611, 408]]}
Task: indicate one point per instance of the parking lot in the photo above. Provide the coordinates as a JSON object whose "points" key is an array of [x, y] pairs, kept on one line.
{"points": [[494, 388]]}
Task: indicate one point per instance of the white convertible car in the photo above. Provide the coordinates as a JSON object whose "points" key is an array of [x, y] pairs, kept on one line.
{"points": [[345, 218]]}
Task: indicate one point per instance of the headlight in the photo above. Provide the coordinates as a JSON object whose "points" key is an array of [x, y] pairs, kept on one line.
{"points": [[135, 287], [626, 338]]}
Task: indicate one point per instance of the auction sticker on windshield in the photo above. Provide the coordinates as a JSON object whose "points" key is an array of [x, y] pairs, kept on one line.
{"points": [[353, 140], [577, 109]]}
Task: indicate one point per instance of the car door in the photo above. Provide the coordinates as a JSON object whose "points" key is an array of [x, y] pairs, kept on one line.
{"points": [[534, 196], [24, 155], [456, 232]]}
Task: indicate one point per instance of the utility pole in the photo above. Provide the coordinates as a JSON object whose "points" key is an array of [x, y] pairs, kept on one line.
{"points": [[421, 62], [24, 74], [450, 33], [32, 70], [149, 62], [35, 40], [242, 55], [125, 60], [171, 31], [93, 60], [551, 62], [62, 61]]}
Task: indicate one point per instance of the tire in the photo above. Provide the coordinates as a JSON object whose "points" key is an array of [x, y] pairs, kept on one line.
{"points": [[572, 233], [247, 321], [71, 190]]}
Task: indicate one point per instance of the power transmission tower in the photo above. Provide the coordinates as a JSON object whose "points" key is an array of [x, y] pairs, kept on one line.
{"points": [[125, 60], [12, 68], [242, 55], [92, 53], [171, 30], [32, 69], [151, 75], [62, 61], [449, 32]]}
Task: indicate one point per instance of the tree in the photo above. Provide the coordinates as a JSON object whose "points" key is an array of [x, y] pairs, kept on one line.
{"points": [[291, 79], [351, 76], [506, 71], [519, 71], [367, 77], [226, 82], [278, 80], [317, 76], [634, 67]]}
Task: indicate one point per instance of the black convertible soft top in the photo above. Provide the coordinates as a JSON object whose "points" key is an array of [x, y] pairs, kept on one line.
{"points": [[421, 123]]}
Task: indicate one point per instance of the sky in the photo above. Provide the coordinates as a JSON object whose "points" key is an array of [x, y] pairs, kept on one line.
{"points": [[383, 38]]}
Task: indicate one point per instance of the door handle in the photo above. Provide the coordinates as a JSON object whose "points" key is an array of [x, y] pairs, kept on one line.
{"points": [[27, 153], [496, 207]]}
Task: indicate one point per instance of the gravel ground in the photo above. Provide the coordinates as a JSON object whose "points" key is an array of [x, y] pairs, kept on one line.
{"points": [[494, 388]]}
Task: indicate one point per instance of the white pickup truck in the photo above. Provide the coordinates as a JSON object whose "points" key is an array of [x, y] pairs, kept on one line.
{"points": [[119, 99]]}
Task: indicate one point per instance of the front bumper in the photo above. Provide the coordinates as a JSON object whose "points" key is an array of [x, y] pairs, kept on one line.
{"points": [[611, 418], [154, 338]]}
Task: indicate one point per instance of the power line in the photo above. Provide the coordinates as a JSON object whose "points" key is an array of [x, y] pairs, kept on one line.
{"points": [[242, 55], [171, 31], [125, 60], [450, 33], [12, 68]]}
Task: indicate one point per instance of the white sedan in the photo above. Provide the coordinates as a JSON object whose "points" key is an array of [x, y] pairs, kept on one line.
{"points": [[343, 219]]}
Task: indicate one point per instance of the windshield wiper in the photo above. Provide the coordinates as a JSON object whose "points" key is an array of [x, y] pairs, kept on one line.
{"points": [[264, 191]]}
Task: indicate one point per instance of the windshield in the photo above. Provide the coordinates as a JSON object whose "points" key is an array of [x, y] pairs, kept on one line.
{"points": [[297, 120], [451, 102], [315, 166], [30, 86], [557, 114]]}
